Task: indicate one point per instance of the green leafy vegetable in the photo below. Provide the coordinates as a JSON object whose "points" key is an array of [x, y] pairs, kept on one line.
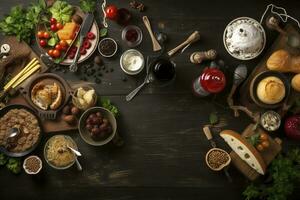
{"points": [[3, 159], [107, 104], [213, 118], [103, 32], [61, 11], [285, 173], [21, 22], [87, 5], [14, 165], [254, 139]]}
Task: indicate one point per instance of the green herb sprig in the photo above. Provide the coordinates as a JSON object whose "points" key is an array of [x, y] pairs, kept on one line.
{"points": [[285, 173], [87, 5], [21, 22]]}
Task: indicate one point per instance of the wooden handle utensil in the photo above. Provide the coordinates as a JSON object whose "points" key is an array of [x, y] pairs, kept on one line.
{"points": [[156, 45], [195, 36]]}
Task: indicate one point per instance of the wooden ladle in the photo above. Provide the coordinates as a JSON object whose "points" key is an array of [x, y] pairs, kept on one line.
{"points": [[195, 36], [156, 45]]}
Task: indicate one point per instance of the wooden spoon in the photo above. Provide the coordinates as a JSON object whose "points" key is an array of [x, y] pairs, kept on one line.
{"points": [[156, 45], [195, 36]]}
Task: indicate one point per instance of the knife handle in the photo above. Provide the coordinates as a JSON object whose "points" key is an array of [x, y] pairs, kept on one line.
{"points": [[207, 132]]}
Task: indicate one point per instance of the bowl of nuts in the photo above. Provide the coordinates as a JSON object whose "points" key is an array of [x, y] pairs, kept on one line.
{"points": [[32, 165], [97, 126], [217, 159]]}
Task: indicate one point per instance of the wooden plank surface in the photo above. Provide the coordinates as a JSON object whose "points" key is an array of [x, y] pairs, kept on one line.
{"points": [[163, 156]]}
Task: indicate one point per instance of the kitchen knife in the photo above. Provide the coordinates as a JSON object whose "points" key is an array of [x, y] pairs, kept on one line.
{"points": [[85, 28]]}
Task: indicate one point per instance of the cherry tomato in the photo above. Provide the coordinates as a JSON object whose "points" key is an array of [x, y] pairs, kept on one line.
{"points": [[111, 12], [63, 43], [53, 27], [40, 34], [87, 44], [59, 26], [53, 21], [91, 35], [46, 35], [265, 144], [58, 47], [50, 52], [83, 51], [43, 43], [264, 137], [260, 147], [56, 53]]}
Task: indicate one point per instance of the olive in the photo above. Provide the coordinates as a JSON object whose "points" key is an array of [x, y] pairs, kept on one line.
{"points": [[105, 121], [98, 114], [89, 127], [96, 131], [88, 121]]}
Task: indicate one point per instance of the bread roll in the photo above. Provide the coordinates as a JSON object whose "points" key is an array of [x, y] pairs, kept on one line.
{"points": [[271, 90], [296, 82], [282, 61]]}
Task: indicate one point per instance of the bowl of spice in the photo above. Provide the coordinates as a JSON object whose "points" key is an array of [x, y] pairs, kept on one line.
{"points": [[32, 165], [132, 35], [107, 47], [217, 159], [132, 62], [270, 120]]}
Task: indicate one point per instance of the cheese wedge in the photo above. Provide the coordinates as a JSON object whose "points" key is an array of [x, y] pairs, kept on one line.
{"points": [[245, 150], [68, 31]]}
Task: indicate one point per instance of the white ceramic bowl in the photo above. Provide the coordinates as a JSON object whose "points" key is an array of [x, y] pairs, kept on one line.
{"points": [[125, 68]]}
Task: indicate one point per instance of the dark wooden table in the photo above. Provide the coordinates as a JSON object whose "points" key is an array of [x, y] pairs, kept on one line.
{"points": [[163, 156]]}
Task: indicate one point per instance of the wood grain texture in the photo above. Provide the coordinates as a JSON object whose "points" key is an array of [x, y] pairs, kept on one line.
{"points": [[163, 156]]}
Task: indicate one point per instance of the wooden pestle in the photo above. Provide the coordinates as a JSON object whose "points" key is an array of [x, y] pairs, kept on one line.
{"points": [[195, 36]]}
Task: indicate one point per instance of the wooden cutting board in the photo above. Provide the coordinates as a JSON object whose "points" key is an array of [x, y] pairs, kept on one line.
{"points": [[280, 43], [268, 155], [50, 126]]}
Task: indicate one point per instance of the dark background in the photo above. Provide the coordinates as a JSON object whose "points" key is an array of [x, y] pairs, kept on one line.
{"points": [[163, 156]]}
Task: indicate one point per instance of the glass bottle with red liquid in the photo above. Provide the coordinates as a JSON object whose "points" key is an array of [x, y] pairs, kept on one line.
{"points": [[211, 81]]}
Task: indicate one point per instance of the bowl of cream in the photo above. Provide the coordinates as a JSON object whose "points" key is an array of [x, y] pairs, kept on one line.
{"points": [[132, 62]]}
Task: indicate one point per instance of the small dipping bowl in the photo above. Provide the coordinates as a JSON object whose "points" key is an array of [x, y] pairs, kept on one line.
{"points": [[108, 47], [32, 165], [77, 103], [132, 35], [217, 163], [270, 120], [132, 62]]}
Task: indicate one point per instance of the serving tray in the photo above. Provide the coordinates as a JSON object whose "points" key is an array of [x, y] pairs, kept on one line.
{"points": [[245, 97]]}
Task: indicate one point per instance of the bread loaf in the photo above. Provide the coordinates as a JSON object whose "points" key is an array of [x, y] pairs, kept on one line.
{"points": [[282, 61], [244, 150]]}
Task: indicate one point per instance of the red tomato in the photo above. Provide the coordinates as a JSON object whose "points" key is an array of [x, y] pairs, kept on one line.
{"points": [[53, 27], [40, 34], [46, 35], [64, 45], [59, 26], [50, 52], [43, 43], [53, 21], [56, 53], [111, 12], [58, 47]]}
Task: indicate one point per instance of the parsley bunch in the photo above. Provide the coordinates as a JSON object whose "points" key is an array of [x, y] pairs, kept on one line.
{"points": [[21, 22], [285, 174]]}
